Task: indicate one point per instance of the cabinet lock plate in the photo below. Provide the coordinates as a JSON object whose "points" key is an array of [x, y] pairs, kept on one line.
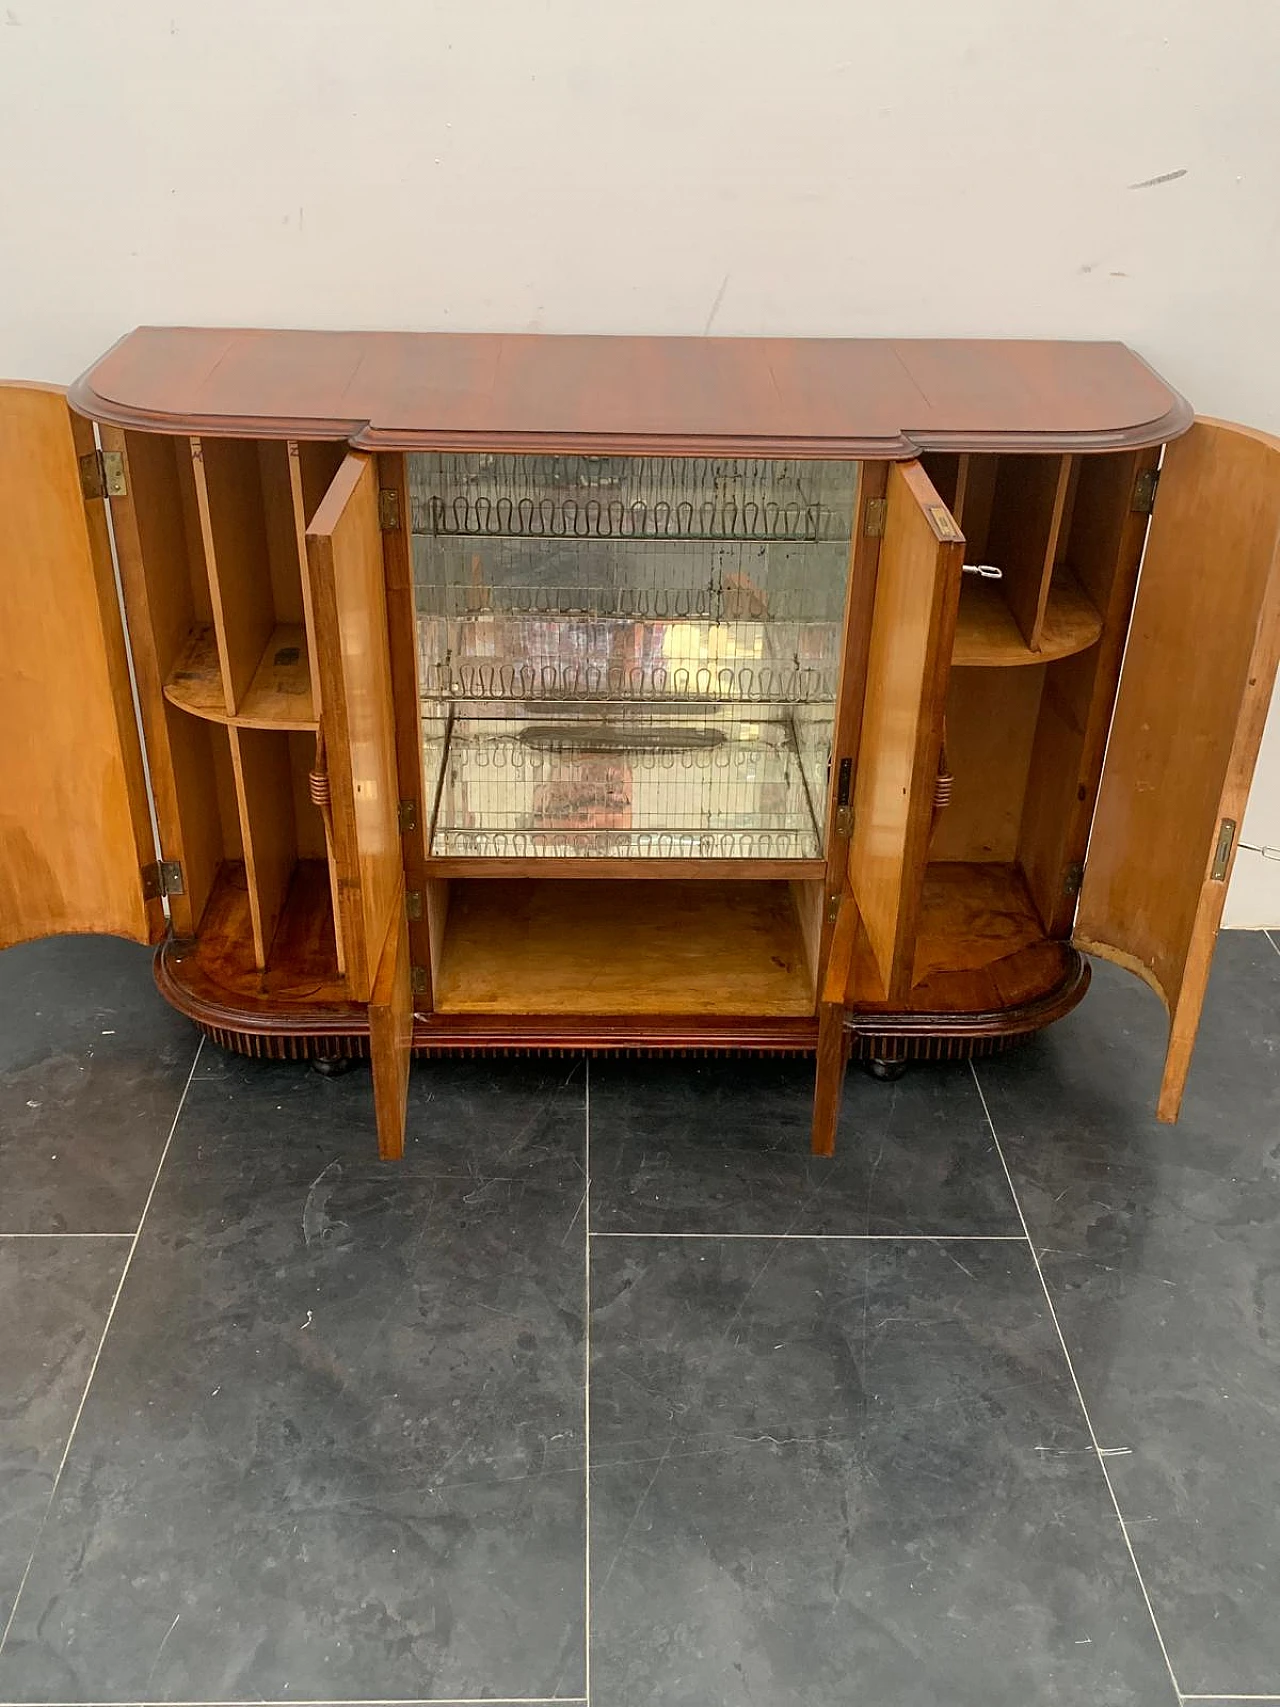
{"points": [[1222, 853], [844, 788]]}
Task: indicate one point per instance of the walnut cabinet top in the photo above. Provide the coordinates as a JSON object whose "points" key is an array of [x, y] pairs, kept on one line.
{"points": [[806, 397]]}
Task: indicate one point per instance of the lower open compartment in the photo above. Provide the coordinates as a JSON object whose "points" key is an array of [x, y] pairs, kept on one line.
{"points": [[560, 946]]}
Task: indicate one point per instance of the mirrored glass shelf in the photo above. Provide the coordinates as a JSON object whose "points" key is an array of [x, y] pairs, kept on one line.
{"points": [[636, 785]]}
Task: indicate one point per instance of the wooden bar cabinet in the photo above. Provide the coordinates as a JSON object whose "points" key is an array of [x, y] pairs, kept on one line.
{"points": [[421, 694]]}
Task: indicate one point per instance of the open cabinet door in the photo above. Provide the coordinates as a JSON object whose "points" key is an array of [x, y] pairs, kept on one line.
{"points": [[1193, 700], [76, 846], [348, 596], [912, 633], [913, 625]]}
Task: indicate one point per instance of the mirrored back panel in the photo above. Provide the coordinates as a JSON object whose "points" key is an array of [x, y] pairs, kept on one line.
{"points": [[629, 656]]}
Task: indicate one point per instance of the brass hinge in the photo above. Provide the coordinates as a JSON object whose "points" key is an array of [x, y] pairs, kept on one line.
{"points": [[1073, 879], [162, 877], [1222, 853], [407, 816], [418, 978], [413, 905], [389, 509], [1144, 492], [833, 909], [873, 517], [102, 474]]}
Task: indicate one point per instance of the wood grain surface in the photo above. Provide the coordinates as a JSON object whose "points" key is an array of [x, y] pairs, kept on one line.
{"points": [[1194, 693], [751, 396], [74, 826]]}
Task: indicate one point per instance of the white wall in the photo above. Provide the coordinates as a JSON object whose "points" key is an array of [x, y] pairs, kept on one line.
{"points": [[950, 167]]}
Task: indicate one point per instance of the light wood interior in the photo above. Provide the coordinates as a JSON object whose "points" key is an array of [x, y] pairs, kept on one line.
{"points": [[1024, 745], [555, 946], [250, 505], [167, 597], [212, 543], [1017, 514]]}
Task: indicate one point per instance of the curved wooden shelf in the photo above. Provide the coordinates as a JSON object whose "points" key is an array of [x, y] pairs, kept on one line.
{"points": [[987, 635], [278, 697]]}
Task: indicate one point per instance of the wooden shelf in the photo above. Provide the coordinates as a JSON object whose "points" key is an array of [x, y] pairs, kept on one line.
{"points": [[987, 635], [278, 696], [196, 681], [552, 946], [981, 947]]}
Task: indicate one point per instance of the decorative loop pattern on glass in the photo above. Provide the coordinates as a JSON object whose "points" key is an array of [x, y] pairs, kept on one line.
{"points": [[616, 497]]}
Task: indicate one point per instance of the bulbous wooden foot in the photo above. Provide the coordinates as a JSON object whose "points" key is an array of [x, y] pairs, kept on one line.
{"points": [[333, 1066], [886, 1071]]}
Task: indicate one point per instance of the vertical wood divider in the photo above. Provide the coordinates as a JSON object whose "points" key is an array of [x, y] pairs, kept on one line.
{"points": [[1026, 522], [264, 800], [211, 571]]}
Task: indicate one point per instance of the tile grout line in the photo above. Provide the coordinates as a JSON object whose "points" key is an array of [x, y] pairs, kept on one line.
{"points": [[586, 1389], [836, 1238], [1075, 1382], [1276, 946], [102, 1340]]}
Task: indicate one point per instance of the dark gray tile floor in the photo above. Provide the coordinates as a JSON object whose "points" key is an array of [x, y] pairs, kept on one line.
{"points": [[331, 1442]]}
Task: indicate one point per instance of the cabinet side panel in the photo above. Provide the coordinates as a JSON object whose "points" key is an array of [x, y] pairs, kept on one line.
{"points": [[73, 820]]}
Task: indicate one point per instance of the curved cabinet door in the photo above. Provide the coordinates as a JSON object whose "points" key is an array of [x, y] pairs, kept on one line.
{"points": [[1193, 700], [75, 830]]}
